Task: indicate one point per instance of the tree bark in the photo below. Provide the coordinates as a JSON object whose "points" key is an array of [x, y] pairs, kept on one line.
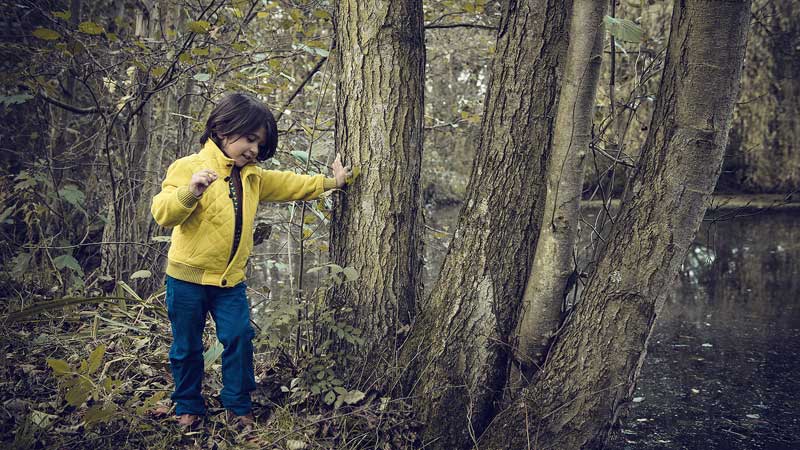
{"points": [[592, 369], [380, 62], [459, 354], [553, 271]]}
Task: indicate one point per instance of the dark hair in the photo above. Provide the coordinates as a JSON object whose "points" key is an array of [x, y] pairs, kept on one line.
{"points": [[238, 114]]}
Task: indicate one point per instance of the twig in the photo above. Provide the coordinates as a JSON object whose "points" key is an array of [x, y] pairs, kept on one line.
{"points": [[308, 77], [462, 25]]}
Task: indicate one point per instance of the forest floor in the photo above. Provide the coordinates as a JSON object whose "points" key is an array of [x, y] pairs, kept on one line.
{"points": [[109, 398]]}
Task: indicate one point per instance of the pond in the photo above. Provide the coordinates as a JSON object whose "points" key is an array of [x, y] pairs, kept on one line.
{"points": [[722, 365]]}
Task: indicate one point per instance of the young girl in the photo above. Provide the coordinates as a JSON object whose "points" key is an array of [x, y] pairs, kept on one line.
{"points": [[210, 200]]}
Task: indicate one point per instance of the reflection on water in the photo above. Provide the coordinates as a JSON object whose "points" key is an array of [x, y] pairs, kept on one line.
{"points": [[721, 370], [698, 258]]}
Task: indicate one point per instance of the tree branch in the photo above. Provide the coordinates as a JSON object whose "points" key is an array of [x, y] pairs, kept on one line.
{"points": [[70, 108], [462, 25], [308, 77]]}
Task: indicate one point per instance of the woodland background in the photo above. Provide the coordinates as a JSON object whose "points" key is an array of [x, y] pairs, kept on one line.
{"points": [[98, 97]]}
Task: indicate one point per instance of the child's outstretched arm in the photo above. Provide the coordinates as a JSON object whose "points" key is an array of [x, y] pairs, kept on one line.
{"points": [[179, 193], [281, 186]]}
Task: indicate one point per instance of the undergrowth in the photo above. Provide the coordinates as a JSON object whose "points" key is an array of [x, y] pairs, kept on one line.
{"points": [[83, 373]]}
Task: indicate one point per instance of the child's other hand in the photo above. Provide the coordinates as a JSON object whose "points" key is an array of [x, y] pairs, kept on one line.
{"points": [[340, 173], [201, 180]]}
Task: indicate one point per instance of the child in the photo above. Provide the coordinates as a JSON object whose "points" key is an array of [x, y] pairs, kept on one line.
{"points": [[212, 238]]}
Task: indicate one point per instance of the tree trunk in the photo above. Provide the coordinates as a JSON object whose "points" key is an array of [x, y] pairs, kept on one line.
{"points": [[129, 220], [592, 369], [380, 62], [459, 354], [768, 116], [60, 117], [553, 271], [185, 143]]}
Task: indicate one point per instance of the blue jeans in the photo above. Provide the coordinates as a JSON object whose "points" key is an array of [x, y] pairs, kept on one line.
{"points": [[188, 305]]}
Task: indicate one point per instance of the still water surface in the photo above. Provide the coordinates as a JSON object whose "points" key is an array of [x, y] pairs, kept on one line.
{"points": [[722, 366]]}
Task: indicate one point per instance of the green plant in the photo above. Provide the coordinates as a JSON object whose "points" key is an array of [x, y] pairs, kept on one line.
{"points": [[48, 215], [307, 330], [81, 384]]}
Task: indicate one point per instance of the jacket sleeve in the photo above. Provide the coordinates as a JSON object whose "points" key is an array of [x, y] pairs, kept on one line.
{"points": [[282, 186], [173, 205]]}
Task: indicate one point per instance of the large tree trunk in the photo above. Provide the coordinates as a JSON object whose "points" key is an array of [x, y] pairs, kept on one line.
{"points": [[592, 369], [553, 271], [768, 116], [459, 353], [380, 62]]}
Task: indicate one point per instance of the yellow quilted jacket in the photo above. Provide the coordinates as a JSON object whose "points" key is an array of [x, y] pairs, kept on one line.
{"points": [[202, 229]]}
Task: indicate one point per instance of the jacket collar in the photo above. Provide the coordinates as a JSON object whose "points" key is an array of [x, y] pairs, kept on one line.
{"points": [[213, 154]]}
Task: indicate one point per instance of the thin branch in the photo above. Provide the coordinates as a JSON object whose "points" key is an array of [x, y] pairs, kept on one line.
{"points": [[70, 108], [616, 160], [462, 25], [308, 77]]}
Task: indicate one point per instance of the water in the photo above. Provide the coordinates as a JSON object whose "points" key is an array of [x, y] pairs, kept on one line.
{"points": [[722, 364]]}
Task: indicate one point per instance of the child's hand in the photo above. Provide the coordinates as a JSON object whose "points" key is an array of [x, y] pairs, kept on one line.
{"points": [[340, 173], [200, 181]]}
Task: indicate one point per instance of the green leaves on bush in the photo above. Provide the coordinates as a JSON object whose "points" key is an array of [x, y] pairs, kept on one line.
{"points": [[80, 386], [90, 28], [46, 34], [336, 273], [313, 50], [623, 29], [319, 380], [199, 26], [300, 156], [67, 261], [72, 195]]}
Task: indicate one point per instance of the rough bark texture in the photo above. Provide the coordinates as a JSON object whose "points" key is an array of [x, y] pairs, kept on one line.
{"points": [[768, 114], [591, 371], [554, 264], [380, 63], [459, 354]]}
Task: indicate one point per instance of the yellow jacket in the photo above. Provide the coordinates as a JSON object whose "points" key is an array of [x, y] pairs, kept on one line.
{"points": [[202, 235]]}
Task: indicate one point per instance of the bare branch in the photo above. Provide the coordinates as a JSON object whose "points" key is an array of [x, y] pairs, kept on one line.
{"points": [[70, 108], [308, 77], [462, 25]]}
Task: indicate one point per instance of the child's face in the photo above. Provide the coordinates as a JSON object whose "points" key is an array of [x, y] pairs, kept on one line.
{"points": [[243, 149]]}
